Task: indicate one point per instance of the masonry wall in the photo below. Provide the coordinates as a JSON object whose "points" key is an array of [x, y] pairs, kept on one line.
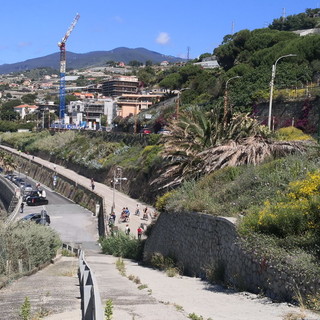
{"points": [[200, 243], [7, 193]]}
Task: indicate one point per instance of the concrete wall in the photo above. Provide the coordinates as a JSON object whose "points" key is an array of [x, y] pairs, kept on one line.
{"points": [[200, 242], [7, 192]]}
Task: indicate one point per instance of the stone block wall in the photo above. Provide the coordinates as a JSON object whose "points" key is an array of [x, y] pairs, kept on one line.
{"points": [[200, 243], [7, 192]]}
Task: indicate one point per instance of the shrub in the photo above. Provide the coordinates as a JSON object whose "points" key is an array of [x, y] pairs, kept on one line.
{"points": [[292, 213], [25, 310], [32, 243], [121, 245], [292, 133]]}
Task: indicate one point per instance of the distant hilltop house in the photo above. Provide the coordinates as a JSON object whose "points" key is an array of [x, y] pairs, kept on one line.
{"points": [[83, 95], [307, 31], [208, 63], [25, 109], [164, 63]]}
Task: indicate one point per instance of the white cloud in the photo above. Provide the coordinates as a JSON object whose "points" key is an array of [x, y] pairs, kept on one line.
{"points": [[163, 38], [118, 19], [24, 44]]}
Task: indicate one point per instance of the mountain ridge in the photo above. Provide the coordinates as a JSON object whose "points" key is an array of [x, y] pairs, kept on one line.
{"points": [[89, 59]]}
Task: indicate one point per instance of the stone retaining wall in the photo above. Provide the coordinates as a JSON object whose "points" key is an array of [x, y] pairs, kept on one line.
{"points": [[209, 247], [7, 192]]}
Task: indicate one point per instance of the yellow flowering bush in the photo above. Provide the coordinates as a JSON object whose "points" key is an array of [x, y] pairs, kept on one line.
{"points": [[296, 212]]}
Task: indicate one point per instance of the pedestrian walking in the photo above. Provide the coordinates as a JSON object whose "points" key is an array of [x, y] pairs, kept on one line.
{"points": [[92, 184], [21, 207], [137, 212], [127, 230], [139, 231]]}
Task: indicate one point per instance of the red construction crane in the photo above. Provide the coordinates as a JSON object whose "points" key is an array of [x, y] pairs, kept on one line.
{"points": [[62, 46]]}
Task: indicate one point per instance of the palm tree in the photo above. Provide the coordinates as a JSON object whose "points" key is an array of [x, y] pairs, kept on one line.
{"points": [[200, 143]]}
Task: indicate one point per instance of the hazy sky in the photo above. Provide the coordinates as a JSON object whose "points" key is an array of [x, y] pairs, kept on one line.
{"points": [[31, 29]]}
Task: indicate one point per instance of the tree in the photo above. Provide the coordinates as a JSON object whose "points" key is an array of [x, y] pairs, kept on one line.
{"points": [[173, 81], [135, 63], [29, 98]]}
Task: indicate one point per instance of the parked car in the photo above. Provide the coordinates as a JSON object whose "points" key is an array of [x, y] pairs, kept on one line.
{"points": [[163, 131], [145, 131], [39, 218], [30, 193], [36, 201]]}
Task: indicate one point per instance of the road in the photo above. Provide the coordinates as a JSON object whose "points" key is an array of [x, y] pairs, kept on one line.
{"points": [[75, 224]]}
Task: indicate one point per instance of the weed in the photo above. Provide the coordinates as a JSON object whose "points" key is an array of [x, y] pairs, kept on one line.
{"points": [[67, 253], [312, 301], [142, 286], [178, 307], [121, 266], [294, 316], [137, 280], [41, 314], [172, 272], [215, 273], [25, 309], [108, 309], [122, 246], [193, 316]]}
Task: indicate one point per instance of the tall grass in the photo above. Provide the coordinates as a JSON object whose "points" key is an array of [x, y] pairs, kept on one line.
{"points": [[28, 243]]}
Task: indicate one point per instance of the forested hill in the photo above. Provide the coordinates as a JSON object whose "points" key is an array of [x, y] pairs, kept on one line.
{"points": [[90, 59]]}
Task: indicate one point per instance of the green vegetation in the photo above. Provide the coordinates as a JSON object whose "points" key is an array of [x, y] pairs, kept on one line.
{"points": [[108, 309], [26, 245], [166, 264], [123, 246], [25, 310]]}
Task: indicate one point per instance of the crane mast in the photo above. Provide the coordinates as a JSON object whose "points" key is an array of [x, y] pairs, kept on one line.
{"points": [[62, 46]]}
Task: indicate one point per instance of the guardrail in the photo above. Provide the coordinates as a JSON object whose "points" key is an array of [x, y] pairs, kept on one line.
{"points": [[90, 297]]}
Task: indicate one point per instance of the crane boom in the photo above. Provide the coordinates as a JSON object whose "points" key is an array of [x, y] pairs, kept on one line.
{"points": [[74, 22], [62, 46]]}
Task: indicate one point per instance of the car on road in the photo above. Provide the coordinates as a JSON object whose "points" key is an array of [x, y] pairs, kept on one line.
{"points": [[30, 193], [39, 218], [36, 201]]}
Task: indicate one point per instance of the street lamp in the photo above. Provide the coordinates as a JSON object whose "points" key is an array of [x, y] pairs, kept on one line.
{"points": [[273, 74], [114, 182], [225, 109]]}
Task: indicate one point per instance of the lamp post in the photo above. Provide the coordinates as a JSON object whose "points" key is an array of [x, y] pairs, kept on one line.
{"points": [[136, 115], [225, 109], [114, 182], [273, 74]]}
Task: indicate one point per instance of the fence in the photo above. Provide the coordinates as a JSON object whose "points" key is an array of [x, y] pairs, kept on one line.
{"points": [[90, 297]]}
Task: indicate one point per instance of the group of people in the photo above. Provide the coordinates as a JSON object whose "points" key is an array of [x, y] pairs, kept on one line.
{"points": [[124, 217]]}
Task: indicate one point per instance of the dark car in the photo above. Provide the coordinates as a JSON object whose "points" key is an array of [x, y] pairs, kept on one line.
{"points": [[36, 201], [39, 218], [33, 193]]}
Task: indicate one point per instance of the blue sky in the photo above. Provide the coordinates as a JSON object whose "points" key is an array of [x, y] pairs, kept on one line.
{"points": [[31, 29]]}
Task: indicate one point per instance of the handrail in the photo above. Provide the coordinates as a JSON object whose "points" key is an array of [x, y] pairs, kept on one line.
{"points": [[90, 297]]}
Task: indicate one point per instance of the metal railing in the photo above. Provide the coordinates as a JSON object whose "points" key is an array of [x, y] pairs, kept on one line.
{"points": [[91, 306]]}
